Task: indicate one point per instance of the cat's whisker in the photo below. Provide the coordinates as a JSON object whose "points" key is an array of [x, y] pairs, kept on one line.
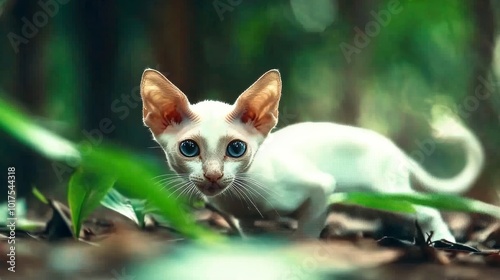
{"points": [[233, 192], [251, 175], [186, 190], [250, 199], [223, 194], [229, 191], [191, 192], [254, 182], [168, 175], [180, 187], [239, 197], [170, 180], [253, 191], [159, 176], [183, 187], [166, 180], [256, 192], [258, 185], [239, 193], [172, 186], [266, 191]]}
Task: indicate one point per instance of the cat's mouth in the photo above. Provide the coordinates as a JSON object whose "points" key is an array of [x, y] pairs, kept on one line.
{"points": [[211, 189]]}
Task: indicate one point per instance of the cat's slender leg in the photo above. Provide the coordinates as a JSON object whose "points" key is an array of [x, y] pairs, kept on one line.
{"points": [[397, 180], [247, 227], [312, 213], [431, 221], [310, 223], [231, 220]]}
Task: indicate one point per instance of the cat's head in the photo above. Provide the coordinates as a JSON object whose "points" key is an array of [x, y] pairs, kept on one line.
{"points": [[210, 142]]}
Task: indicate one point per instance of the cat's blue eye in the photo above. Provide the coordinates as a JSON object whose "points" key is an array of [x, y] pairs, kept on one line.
{"points": [[189, 148], [236, 148]]}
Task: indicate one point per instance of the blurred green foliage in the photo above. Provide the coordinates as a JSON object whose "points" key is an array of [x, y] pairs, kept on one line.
{"points": [[100, 168]]}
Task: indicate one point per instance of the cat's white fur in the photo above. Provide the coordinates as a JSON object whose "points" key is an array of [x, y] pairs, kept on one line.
{"points": [[292, 171]]}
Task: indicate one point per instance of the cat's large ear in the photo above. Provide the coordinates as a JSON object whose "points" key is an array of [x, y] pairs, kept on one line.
{"points": [[259, 103], [163, 103]]}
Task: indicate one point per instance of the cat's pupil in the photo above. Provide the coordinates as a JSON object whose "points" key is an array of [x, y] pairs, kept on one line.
{"points": [[236, 148], [189, 148]]}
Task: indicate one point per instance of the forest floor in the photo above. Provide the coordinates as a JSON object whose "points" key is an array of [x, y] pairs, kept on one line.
{"points": [[358, 246]]}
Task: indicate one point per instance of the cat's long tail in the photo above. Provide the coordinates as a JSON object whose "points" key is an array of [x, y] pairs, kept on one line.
{"points": [[451, 130]]}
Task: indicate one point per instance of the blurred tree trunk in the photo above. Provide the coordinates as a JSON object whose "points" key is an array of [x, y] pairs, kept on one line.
{"points": [[175, 50], [29, 86], [357, 14], [97, 22], [484, 119]]}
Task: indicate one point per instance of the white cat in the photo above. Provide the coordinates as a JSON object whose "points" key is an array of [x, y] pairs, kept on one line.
{"points": [[226, 154]]}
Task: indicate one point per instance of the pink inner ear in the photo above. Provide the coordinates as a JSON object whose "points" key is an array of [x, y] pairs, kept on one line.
{"points": [[163, 103], [248, 116], [159, 118], [172, 116], [263, 123]]}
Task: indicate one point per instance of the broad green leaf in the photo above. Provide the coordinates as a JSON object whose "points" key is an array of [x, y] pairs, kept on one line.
{"points": [[85, 192], [134, 209], [43, 141], [438, 201], [39, 195], [370, 201], [450, 203]]}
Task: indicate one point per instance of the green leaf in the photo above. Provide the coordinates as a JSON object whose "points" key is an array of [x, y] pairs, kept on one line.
{"points": [[86, 190], [43, 141], [39, 195], [134, 209], [389, 202], [371, 201]]}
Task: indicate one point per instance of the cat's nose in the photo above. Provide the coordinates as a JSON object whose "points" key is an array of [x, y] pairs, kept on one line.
{"points": [[213, 177]]}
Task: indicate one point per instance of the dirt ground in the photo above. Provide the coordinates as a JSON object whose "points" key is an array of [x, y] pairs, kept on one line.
{"points": [[355, 246]]}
